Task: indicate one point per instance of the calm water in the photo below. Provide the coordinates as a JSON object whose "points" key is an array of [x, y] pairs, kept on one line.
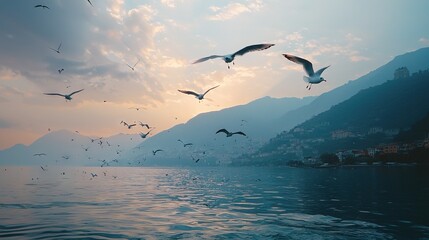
{"points": [[214, 203]]}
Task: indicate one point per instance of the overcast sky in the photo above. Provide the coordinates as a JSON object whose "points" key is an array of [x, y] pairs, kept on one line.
{"points": [[354, 37]]}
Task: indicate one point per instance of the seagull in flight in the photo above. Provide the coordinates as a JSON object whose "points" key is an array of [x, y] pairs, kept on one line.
{"points": [[58, 49], [43, 168], [42, 6], [229, 134], [132, 68], [185, 144], [230, 57], [199, 96], [136, 108], [313, 77], [144, 135], [66, 96], [144, 125], [60, 70], [158, 150], [39, 154]]}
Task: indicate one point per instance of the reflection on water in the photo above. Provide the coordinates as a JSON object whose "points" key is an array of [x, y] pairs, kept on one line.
{"points": [[214, 203]]}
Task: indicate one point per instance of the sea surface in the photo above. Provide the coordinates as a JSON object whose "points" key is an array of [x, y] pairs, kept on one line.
{"points": [[214, 203]]}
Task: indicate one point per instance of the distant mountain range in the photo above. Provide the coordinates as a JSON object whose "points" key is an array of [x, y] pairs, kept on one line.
{"points": [[261, 120], [373, 116], [68, 148]]}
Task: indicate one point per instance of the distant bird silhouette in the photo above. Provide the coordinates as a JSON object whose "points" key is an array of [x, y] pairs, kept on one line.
{"points": [[90, 3], [185, 144], [144, 135], [229, 134], [39, 154], [230, 57], [195, 160], [60, 70], [43, 168], [199, 96], [66, 96], [94, 175], [313, 77], [144, 125], [158, 150], [42, 6], [66, 157], [132, 68], [85, 148], [58, 49], [136, 108]]}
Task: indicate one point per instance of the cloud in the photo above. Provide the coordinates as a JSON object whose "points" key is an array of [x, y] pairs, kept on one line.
{"points": [[296, 36], [233, 10]]}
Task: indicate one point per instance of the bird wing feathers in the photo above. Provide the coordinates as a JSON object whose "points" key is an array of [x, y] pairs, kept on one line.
{"points": [[207, 58], [210, 89], [222, 130], [56, 94], [251, 48], [76, 92], [240, 133], [320, 71], [308, 66], [189, 92]]}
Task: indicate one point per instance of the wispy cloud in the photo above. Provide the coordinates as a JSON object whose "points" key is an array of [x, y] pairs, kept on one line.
{"points": [[234, 9], [424, 41]]}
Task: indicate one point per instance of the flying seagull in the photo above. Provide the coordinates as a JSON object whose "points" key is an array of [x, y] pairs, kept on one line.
{"points": [[60, 70], [198, 96], [230, 57], [144, 135], [313, 77], [42, 6], [144, 125], [185, 144], [158, 150], [229, 134], [39, 154], [132, 68], [66, 96], [58, 49], [43, 168], [136, 108]]}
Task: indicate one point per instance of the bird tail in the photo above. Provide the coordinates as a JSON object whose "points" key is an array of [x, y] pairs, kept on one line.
{"points": [[306, 79]]}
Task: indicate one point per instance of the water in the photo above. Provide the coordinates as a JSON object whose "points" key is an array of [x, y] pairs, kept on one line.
{"points": [[214, 203]]}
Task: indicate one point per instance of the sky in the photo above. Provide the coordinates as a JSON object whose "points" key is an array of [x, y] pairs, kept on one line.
{"points": [[166, 36]]}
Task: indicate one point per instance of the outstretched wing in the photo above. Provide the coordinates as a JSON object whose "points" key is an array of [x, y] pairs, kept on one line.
{"points": [[61, 43], [222, 130], [75, 92], [90, 3], [320, 71], [189, 92], [38, 6], [136, 63], [251, 48], [210, 89], [308, 66], [55, 94], [240, 133], [207, 58]]}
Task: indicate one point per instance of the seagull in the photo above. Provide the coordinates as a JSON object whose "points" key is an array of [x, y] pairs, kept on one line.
{"points": [[90, 3], [60, 70], [313, 77], [39, 154], [144, 135], [58, 49], [42, 6], [136, 108], [185, 144], [195, 160], [229, 134], [66, 96], [42, 168], [94, 175], [144, 125], [199, 96], [132, 68], [158, 150], [230, 57]]}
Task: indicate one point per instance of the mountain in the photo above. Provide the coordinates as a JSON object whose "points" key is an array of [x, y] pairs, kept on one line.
{"points": [[371, 117], [255, 119], [414, 61], [68, 148]]}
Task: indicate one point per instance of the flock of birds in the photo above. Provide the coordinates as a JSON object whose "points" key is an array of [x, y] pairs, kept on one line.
{"points": [[312, 77]]}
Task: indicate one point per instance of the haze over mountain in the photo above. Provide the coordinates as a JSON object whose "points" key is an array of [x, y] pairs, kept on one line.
{"points": [[68, 148], [255, 119], [372, 117]]}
